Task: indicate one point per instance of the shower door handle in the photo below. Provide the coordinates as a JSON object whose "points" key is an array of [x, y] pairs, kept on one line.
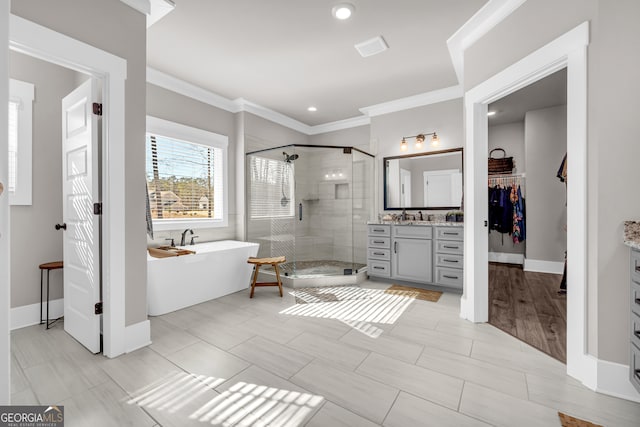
{"points": [[300, 211]]}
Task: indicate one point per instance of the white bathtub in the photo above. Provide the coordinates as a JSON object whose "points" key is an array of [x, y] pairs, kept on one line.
{"points": [[216, 269]]}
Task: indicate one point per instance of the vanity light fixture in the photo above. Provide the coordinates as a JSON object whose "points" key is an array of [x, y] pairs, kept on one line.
{"points": [[342, 11], [420, 138]]}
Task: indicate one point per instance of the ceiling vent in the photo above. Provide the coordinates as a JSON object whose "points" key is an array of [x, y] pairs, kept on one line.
{"points": [[372, 46]]}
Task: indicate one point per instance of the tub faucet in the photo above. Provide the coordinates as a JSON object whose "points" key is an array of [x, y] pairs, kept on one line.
{"points": [[184, 233]]}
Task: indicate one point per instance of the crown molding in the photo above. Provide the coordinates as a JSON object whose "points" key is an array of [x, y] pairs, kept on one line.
{"points": [[159, 9], [490, 15], [271, 115], [414, 101], [189, 90], [349, 123], [142, 6]]}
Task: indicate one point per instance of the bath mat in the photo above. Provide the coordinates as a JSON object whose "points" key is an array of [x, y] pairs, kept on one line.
{"points": [[329, 294], [569, 421], [421, 294]]}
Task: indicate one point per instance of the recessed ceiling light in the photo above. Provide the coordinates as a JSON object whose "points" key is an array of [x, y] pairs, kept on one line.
{"points": [[342, 11], [312, 109], [491, 113]]}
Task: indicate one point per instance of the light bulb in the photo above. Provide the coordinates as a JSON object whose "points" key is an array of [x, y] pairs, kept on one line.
{"points": [[403, 145]]}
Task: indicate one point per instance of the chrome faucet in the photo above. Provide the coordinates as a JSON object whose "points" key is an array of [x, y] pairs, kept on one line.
{"points": [[404, 215], [184, 233]]}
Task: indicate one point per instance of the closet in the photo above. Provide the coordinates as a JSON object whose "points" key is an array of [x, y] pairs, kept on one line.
{"points": [[527, 216]]}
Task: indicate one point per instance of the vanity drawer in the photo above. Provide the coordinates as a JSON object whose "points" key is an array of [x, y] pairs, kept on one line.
{"points": [[450, 233], [635, 329], [379, 230], [635, 297], [379, 268], [413, 231], [635, 265], [449, 277], [379, 242], [449, 260], [375, 253], [449, 247], [635, 366]]}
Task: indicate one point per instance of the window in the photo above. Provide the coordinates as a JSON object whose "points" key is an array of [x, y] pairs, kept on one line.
{"points": [[272, 188], [20, 142], [186, 172]]}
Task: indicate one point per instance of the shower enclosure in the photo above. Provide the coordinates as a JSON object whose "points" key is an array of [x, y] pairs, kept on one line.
{"points": [[311, 204]]}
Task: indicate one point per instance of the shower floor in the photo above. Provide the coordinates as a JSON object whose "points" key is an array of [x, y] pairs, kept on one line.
{"points": [[319, 273]]}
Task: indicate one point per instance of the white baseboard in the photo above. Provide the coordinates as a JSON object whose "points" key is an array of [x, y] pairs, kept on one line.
{"points": [[28, 315], [137, 336], [506, 258], [613, 379], [541, 266]]}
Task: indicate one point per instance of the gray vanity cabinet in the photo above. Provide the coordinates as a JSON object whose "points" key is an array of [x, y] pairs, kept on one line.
{"points": [[634, 365], [449, 259], [412, 253], [426, 254]]}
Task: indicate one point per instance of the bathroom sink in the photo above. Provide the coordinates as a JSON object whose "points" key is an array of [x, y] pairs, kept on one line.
{"points": [[169, 251]]}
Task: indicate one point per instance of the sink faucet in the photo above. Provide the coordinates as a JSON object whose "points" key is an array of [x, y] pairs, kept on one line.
{"points": [[404, 215], [184, 233]]}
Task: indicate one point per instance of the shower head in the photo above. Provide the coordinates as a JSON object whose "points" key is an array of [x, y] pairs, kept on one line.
{"points": [[289, 158]]}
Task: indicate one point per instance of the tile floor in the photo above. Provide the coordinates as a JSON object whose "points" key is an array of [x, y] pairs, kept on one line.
{"points": [[236, 361]]}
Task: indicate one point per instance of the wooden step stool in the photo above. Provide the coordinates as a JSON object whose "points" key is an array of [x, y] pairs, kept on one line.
{"points": [[274, 261]]}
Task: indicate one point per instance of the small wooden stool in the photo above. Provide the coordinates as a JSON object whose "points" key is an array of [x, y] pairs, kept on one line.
{"points": [[48, 266], [274, 261]]}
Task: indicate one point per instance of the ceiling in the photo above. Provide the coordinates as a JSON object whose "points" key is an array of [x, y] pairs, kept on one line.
{"points": [[287, 55], [545, 93]]}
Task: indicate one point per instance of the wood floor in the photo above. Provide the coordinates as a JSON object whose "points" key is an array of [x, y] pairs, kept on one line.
{"points": [[527, 306]]}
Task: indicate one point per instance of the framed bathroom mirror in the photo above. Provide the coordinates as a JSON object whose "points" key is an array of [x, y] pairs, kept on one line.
{"points": [[425, 181]]}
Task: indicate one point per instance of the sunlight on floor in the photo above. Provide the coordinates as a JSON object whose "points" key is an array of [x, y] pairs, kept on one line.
{"points": [[254, 405], [356, 307], [243, 404]]}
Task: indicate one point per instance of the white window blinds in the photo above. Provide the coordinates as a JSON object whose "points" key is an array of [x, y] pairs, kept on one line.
{"points": [[185, 179], [13, 145], [272, 188]]}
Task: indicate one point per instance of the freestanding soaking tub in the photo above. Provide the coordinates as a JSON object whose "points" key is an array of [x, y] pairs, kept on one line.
{"points": [[216, 269]]}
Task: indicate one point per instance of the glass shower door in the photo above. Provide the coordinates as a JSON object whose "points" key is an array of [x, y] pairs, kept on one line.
{"points": [[271, 204]]}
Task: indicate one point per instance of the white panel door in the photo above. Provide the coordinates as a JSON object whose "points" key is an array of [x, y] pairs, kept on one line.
{"points": [[80, 189]]}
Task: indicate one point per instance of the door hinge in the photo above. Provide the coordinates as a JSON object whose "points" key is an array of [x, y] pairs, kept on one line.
{"points": [[97, 208], [98, 308], [97, 109]]}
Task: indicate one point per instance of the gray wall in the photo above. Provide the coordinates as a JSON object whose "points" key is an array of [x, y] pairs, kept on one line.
{"points": [[545, 136], [357, 137], [510, 137], [34, 240], [612, 149], [116, 28], [260, 133], [387, 131], [168, 105]]}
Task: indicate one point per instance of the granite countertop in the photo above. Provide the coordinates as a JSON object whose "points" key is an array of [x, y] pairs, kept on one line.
{"points": [[417, 222], [631, 236]]}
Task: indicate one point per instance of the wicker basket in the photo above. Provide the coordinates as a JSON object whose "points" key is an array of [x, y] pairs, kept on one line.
{"points": [[500, 165]]}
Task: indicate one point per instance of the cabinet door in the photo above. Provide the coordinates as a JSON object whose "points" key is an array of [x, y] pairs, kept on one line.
{"points": [[412, 260]]}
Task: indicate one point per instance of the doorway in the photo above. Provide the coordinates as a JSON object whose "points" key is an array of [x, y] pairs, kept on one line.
{"points": [[567, 51], [527, 214]]}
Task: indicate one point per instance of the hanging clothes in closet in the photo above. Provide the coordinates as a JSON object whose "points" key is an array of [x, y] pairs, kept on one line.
{"points": [[507, 207]]}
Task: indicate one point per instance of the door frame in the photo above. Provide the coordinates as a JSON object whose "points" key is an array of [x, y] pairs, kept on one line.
{"points": [[567, 51], [40, 42]]}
